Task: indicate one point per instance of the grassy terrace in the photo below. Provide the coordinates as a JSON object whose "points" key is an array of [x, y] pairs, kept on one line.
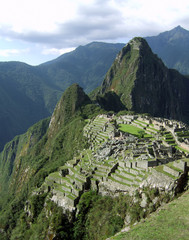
{"points": [[133, 130], [170, 222], [114, 180], [160, 169], [173, 167], [144, 123]]}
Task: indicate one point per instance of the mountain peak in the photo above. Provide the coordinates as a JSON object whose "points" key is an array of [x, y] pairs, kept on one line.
{"points": [[143, 83], [71, 101], [179, 28], [177, 33], [173, 48], [121, 76]]}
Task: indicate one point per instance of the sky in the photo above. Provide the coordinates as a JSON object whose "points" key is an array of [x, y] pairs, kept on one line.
{"points": [[36, 31]]}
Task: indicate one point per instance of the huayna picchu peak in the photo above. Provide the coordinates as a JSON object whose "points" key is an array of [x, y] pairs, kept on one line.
{"points": [[100, 164], [145, 84]]}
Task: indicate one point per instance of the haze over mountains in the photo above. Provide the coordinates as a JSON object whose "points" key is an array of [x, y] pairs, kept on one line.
{"points": [[29, 94], [173, 48]]}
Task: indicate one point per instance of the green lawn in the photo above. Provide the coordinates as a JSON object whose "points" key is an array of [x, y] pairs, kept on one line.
{"points": [[171, 222], [132, 130]]}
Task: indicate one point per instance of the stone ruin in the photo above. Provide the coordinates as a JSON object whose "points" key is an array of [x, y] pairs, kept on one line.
{"points": [[118, 162]]}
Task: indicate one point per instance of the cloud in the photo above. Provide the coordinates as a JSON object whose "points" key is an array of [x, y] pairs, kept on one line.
{"points": [[67, 24], [97, 21], [56, 51], [9, 52]]}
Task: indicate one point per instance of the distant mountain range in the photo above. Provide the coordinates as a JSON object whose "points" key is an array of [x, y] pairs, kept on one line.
{"points": [[173, 48], [52, 176], [28, 94]]}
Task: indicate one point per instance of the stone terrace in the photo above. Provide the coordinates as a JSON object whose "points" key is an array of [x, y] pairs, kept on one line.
{"points": [[118, 161]]}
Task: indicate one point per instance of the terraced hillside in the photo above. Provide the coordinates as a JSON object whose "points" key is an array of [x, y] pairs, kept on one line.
{"points": [[125, 153]]}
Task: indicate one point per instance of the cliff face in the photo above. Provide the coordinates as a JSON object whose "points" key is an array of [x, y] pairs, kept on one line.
{"points": [[144, 84]]}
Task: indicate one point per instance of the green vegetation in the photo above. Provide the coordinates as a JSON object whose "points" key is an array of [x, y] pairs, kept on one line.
{"points": [[28, 93], [29, 181], [174, 51], [170, 222], [121, 79], [30, 158], [138, 132], [100, 217]]}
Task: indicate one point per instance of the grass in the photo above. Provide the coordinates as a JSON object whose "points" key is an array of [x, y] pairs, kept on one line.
{"points": [[170, 222], [160, 169], [144, 123], [114, 180], [133, 130]]}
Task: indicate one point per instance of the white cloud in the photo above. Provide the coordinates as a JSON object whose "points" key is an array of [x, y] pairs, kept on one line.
{"points": [[57, 25], [68, 23], [9, 52], [56, 51]]}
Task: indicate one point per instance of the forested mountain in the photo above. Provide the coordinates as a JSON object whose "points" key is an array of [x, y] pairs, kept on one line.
{"points": [[25, 98], [145, 84], [89, 171], [29, 93], [173, 48], [87, 65]]}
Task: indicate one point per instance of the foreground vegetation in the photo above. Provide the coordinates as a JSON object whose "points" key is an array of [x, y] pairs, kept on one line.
{"points": [[170, 222]]}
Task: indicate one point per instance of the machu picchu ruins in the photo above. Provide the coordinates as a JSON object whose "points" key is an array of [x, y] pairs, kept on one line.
{"points": [[125, 153]]}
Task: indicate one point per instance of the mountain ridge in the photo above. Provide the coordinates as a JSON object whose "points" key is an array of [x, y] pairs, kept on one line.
{"points": [[172, 47], [41, 87], [144, 84], [37, 89], [57, 180], [77, 164]]}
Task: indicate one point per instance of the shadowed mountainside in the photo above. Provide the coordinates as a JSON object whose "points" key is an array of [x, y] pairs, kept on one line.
{"points": [[145, 85], [29, 93]]}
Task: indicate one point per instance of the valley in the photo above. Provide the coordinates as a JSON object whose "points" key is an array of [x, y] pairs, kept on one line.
{"points": [[102, 163], [128, 154]]}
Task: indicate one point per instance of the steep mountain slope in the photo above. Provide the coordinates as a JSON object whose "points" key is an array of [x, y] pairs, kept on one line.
{"points": [[29, 158], [25, 98], [29, 94], [85, 173], [173, 48], [87, 65], [70, 103], [144, 84]]}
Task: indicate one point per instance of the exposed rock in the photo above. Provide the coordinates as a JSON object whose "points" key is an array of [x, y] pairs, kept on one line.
{"points": [[144, 202]]}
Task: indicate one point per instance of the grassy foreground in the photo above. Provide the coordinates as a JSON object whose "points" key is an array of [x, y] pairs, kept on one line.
{"points": [[170, 222]]}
